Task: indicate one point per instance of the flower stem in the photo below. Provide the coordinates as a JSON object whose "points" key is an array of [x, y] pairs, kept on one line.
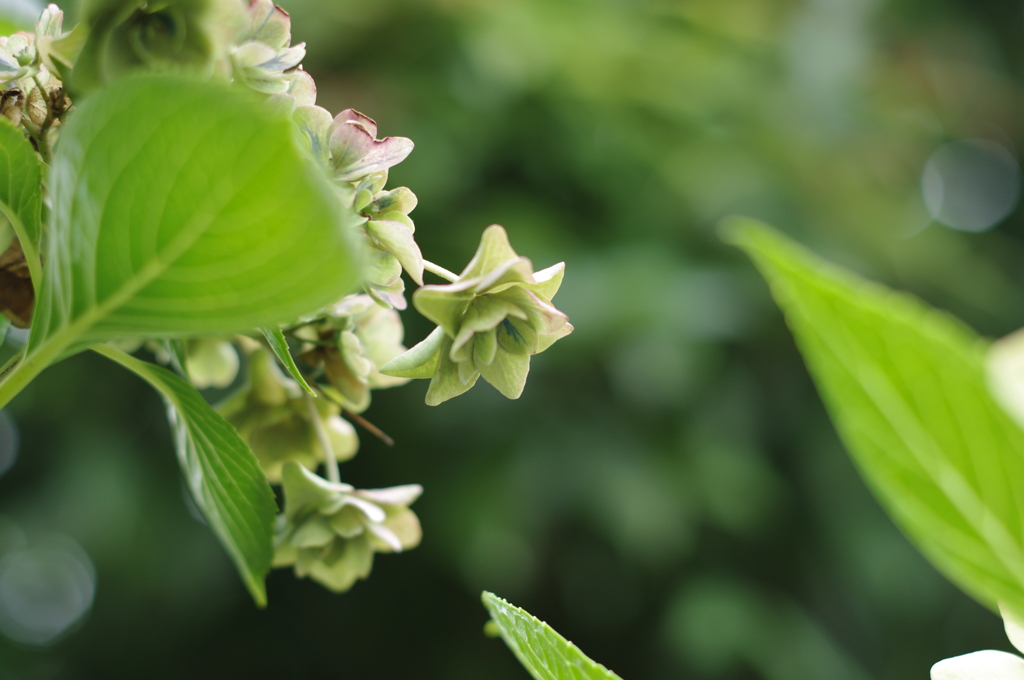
{"points": [[440, 271], [330, 460]]}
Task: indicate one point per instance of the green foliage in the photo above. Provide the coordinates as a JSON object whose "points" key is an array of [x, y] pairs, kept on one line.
{"points": [[905, 386], [279, 345], [545, 653], [223, 476], [199, 216], [20, 192]]}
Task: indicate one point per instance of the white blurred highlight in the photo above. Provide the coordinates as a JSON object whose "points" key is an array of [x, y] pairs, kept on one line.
{"points": [[971, 184], [45, 589], [1005, 373]]}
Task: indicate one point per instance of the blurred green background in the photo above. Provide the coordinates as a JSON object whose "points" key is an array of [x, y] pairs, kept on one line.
{"points": [[668, 492]]}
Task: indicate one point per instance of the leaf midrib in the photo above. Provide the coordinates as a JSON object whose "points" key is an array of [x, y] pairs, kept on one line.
{"points": [[942, 473]]}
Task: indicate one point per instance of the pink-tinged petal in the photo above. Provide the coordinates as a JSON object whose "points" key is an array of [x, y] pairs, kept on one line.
{"points": [[284, 60], [269, 24], [382, 155], [350, 142], [356, 117]]}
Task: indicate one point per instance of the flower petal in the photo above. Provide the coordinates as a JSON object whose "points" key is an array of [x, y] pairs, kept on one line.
{"points": [[494, 250], [397, 239], [983, 665], [507, 373], [420, 361], [402, 495], [445, 383], [1014, 627]]}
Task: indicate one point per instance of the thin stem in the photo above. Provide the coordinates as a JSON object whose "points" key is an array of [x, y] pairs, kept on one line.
{"points": [[12, 362], [373, 429], [330, 460], [43, 139], [440, 271]]}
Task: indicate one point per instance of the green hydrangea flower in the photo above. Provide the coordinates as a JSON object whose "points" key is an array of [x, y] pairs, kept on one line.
{"points": [[490, 321], [123, 35], [347, 148], [273, 417], [360, 336], [330, 531], [264, 58]]}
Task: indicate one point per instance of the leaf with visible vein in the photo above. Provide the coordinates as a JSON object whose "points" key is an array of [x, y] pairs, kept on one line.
{"points": [[905, 386], [543, 652], [21, 191], [181, 208], [222, 474]]}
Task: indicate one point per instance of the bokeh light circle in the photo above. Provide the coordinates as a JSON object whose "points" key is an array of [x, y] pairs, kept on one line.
{"points": [[971, 184], [44, 590]]}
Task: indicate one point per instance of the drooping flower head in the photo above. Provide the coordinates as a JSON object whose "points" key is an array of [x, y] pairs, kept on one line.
{"points": [[490, 322]]}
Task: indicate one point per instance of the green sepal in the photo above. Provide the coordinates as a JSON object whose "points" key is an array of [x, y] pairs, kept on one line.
{"points": [[547, 281], [493, 251], [507, 373], [446, 383], [485, 346], [420, 361], [444, 305], [397, 239]]}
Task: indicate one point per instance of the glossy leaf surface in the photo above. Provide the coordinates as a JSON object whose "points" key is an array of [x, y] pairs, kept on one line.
{"points": [[221, 473], [542, 651], [905, 386], [182, 208]]}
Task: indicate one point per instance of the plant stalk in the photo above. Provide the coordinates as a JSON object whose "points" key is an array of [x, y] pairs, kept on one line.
{"points": [[330, 460]]}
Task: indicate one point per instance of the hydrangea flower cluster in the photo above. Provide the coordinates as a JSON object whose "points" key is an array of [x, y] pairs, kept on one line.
{"points": [[305, 382]]}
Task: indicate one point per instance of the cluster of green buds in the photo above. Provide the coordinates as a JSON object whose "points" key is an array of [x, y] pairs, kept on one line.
{"points": [[350, 342], [304, 383], [31, 93], [282, 424]]}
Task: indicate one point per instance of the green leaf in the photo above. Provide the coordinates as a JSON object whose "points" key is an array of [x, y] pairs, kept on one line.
{"points": [[542, 651], [279, 345], [225, 480], [21, 192], [183, 208], [175, 349], [905, 386]]}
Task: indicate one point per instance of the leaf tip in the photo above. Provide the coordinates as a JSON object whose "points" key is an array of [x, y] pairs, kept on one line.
{"points": [[743, 232]]}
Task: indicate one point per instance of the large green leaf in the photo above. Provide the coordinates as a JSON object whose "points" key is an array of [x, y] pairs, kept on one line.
{"points": [[183, 207], [21, 190], [905, 386], [542, 651], [225, 480]]}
